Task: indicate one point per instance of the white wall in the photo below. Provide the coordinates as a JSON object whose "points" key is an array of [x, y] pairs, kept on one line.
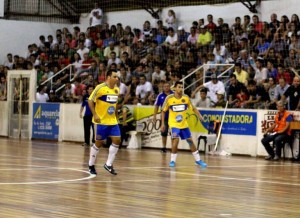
{"points": [[17, 35]]}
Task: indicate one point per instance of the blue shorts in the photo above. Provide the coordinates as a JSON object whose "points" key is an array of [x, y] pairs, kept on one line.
{"points": [[182, 133], [104, 131]]}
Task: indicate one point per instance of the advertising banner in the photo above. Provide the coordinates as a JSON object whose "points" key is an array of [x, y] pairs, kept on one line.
{"points": [[45, 124]]}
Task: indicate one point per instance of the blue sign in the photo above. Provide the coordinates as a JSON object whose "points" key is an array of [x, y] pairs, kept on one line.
{"points": [[235, 123], [45, 124]]}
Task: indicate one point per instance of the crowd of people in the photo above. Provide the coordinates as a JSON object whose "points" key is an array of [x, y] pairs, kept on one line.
{"points": [[265, 55]]}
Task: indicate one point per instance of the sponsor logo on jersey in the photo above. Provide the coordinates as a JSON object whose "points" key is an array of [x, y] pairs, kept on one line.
{"points": [[178, 108], [112, 98]]}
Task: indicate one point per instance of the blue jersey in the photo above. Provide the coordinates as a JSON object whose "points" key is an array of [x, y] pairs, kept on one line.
{"points": [[86, 105], [160, 101]]}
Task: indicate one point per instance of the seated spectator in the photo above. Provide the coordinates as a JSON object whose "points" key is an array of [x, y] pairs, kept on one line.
{"points": [[78, 91], [130, 97], [277, 133], [257, 96], [271, 104], [241, 97], [200, 99], [282, 73], [280, 89], [143, 90], [158, 74], [111, 48], [67, 94], [213, 87], [221, 103], [113, 59], [293, 93], [234, 89], [261, 73]]}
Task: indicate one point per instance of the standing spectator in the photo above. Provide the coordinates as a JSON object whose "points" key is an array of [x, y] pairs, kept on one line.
{"points": [[87, 118], [211, 26], [160, 99], [96, 16], [9, 62], [261, 73], [282, 73], [171, 19], [41, 95], [3, 88], [78, 91]]}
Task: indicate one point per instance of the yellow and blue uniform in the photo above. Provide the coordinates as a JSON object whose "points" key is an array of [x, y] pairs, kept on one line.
{"points": [[177, 115], [105, 100]]}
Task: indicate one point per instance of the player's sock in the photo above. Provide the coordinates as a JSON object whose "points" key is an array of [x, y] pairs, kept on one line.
{"points": [[173, 157], [93, 154], [196, 155], [113, 149]]}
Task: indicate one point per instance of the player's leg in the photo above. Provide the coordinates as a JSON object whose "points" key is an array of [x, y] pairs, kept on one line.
{"points": [[164, 136], [101, 135], [175, 141], [186, 134], [86, 127], [93, 128], [115, 136]]}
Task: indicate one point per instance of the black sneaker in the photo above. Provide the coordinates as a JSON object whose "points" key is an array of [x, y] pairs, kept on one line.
{"points": [[110, 169], [92, 170], [164, 150]]}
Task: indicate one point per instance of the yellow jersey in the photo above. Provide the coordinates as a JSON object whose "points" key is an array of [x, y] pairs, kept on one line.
{"points": [[177, 110], [105, 100]]}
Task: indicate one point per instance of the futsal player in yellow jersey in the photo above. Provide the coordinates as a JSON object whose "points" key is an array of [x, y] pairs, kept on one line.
{"points": [[103, 104], [177, 104]]}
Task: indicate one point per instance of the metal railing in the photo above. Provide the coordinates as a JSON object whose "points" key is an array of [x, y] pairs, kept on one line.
{"points": [[71, 76], [204, 66]]}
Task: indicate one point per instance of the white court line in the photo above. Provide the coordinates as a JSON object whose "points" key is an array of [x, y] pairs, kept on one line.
{"points": [[52, 182]]}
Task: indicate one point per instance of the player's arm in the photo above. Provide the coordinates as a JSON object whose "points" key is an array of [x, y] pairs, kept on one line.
{"points": [[91, 103], [195, 110], [165, 108], [81, 110]]}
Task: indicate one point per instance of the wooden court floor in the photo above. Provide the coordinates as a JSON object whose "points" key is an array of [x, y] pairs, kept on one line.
{"points": [[45, 179]]}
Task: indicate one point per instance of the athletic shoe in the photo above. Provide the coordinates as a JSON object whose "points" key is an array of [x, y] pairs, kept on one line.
{"points": [[110, 169], [85, 144], [172, 164], [201, 163], [276, 158], [269, 157], [92, 170], [164, 150]]}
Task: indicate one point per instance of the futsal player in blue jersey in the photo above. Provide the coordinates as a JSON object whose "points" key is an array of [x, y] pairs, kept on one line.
{"points": [[87, 118], [158, 104], [103, 105]]}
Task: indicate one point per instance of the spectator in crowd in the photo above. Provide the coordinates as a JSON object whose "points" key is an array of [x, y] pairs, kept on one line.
{"points": [[143, 90], [96, 16], [41, 95], [3, 88], [234, 89], [213, 87], [171, 19], [271, 87], [293, 92], [257, 96], [200, 98]]}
